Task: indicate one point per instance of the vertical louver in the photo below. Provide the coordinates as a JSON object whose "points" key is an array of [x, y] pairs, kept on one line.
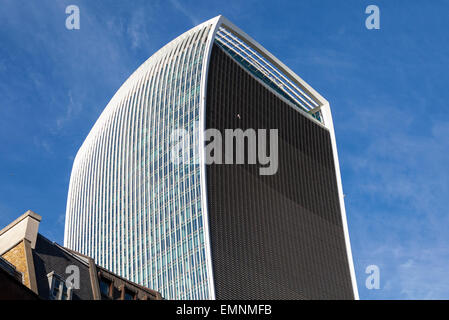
{"points": [[128, 206]]}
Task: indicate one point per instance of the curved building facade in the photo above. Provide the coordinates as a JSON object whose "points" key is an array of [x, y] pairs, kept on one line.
{"points": [[201, 231]]}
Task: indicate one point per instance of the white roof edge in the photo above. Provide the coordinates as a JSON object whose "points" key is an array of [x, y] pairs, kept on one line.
{"points": [[122, 89], [275, 61]]}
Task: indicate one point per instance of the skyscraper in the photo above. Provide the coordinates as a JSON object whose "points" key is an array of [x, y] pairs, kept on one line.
{"points": [[202, 231]]}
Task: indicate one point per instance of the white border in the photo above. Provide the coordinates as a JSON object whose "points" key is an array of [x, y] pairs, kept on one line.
{"points": [[328, 123], [202, 123]]}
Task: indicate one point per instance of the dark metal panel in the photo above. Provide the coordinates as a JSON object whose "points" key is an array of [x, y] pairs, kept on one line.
{"points": [[279, 236]]}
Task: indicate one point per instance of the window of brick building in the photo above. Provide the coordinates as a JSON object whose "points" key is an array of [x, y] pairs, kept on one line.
{"points": [[58, 288], [105, 287]]}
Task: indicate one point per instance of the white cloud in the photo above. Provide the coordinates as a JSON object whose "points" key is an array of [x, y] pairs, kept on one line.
{"points": [[397, 187], [424, 276], [71, 110], [137, 29], [185, 12], [43, 145]]}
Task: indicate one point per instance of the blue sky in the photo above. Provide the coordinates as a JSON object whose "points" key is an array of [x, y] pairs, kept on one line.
{"points": [[387, 90]]}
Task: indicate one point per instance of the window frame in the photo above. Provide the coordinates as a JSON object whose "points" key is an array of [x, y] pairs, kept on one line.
{"points": [[53, 279]]}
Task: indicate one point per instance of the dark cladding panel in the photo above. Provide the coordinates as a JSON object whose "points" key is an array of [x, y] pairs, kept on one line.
{"points": [[278, 236]]}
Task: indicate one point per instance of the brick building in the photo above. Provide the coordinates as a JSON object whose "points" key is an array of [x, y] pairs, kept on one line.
{"points": [[33, 267]]}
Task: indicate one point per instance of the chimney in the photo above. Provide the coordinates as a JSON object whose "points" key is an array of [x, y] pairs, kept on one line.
{"points": [[17, 240], [24, 227]]}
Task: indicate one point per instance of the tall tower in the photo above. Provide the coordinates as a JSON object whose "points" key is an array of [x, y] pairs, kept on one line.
{"points": [[213, 231]]}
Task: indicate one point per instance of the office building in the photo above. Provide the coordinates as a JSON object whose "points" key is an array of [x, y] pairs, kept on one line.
{"points": [[195, 230]]}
